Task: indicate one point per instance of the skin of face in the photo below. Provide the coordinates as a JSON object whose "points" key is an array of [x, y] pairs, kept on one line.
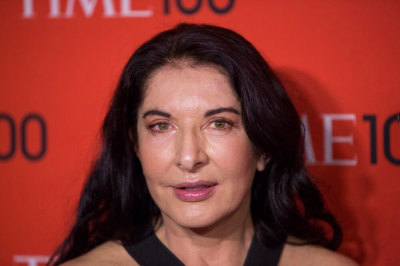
{"points": [[190, 130]]}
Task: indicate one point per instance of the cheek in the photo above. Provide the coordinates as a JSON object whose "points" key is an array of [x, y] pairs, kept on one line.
{"points": [[235, 155], [236, 162], [156, 156]]}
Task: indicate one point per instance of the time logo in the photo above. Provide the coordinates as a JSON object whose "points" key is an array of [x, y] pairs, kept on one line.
{"points": [[64, 9]]}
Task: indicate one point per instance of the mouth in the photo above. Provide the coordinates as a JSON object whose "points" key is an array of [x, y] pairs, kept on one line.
{"points": [[194, 191], [193, 188], [195, 185]]}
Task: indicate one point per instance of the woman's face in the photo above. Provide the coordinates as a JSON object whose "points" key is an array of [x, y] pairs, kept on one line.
{"points": [[197, 159]]}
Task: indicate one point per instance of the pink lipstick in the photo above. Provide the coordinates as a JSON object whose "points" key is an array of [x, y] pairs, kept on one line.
{"points": [[194, 191]]}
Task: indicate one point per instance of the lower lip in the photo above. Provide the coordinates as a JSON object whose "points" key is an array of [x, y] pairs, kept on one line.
{"points": [[194, 195]]}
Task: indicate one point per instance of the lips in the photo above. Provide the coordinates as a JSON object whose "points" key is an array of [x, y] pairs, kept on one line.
{"points": [[194, 191]]}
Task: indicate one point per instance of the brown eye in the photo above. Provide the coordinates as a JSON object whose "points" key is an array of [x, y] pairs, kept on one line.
{"points": [[159, 127], [163, 126], [220, 124]]}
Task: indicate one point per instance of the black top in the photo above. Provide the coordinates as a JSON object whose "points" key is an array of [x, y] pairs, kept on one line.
{"points": [[151, 252]]}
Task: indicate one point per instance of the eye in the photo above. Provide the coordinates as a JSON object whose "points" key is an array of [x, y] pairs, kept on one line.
{"points": [[159, 127], [162, 126], [221, 124]]}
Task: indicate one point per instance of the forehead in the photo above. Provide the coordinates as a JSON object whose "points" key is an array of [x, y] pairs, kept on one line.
{"points": [[188, 85]]}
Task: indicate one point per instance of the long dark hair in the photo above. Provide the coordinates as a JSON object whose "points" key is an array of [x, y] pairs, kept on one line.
{"points": [[115, 203]]}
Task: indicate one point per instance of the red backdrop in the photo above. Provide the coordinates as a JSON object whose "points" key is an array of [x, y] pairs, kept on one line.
{"points": [[61, 60]]}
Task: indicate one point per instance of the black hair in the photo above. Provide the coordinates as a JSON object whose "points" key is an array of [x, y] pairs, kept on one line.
{"points": [[115, 203]]}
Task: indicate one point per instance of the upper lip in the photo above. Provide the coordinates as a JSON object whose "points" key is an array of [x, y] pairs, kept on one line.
{"points": [[200, 183]]}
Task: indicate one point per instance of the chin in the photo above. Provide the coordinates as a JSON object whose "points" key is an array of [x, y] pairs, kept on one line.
{"points": [[198, 225], [194, 217], [199, 219], [205, 215]]}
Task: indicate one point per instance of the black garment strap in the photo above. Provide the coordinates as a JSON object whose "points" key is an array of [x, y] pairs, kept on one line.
{"points": [[260, 255], [151, 252]]}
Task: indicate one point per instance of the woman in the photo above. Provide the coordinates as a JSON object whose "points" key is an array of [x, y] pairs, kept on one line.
{"points": [[201, 164]]}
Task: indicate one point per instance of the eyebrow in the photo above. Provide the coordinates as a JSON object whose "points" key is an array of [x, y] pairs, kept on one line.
{"points": [[156, 112], [221, 110], [208, 113]]}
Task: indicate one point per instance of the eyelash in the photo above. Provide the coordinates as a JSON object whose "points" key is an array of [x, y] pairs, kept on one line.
{"points": [[155, 127], [228, 124]]}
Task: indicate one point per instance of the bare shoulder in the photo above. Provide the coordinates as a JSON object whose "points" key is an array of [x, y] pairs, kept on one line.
{"points": [[109, 253], [310, 255]]}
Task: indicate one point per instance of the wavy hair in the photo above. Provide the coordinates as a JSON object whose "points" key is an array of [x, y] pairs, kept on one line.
{"points": [[115, 203]]}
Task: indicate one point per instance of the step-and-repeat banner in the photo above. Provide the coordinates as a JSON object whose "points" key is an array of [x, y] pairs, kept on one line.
{"points": [[61, 60]]}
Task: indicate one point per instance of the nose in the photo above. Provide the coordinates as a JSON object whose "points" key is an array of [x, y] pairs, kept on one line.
{"points": [[190, 152]]}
